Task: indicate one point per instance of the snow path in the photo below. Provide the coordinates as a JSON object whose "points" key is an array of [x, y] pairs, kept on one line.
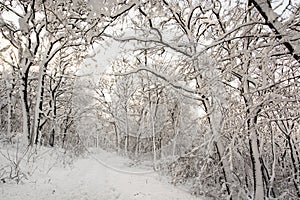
{"points": [[88, 179]]}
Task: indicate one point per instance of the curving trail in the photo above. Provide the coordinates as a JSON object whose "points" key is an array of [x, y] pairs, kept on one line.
{"points": [[100, 176]]}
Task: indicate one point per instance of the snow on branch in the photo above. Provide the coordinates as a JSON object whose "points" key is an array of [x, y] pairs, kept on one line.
{"points": [[164, 78]]}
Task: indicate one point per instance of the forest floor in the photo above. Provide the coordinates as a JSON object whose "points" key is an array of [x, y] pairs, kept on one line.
{"points": [[100, 175]]}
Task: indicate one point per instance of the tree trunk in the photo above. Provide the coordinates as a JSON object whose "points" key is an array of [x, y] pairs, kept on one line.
{"points": [[64, 138], [36, 135], [215, 122], [25, 107], [53, 122], [256, 166], [153, 135], [51, 138], [117, 136], [0, 114], [126, 142], [251, 116], [213, 108], [296, 171], [9, 108]]}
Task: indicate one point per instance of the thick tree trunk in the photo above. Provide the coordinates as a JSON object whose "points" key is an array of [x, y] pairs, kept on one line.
{"points": [[117, 137], [257, 167], [251, 116], [25, 108], [36, 135]]}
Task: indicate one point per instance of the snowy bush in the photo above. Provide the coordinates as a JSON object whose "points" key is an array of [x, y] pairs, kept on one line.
{"points": [[12, 160]]}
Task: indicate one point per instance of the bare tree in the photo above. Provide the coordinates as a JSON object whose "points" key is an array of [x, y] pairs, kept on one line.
{"points": [[42, 31], [233, 55]]}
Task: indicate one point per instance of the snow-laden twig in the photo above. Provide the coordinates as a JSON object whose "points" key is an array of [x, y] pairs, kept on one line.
{"points": [[194, 94]]}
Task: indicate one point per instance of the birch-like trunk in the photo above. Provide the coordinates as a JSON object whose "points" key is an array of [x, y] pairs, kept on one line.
{"points": [[36, 136], [25, 106], [251, 116], [256, 167]]}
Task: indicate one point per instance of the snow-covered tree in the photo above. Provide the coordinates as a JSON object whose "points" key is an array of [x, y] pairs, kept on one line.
{"points": [[38, 31], [236, 55]]}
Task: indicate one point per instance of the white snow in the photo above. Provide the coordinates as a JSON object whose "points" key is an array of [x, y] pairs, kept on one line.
{"points": [[100, 175]]}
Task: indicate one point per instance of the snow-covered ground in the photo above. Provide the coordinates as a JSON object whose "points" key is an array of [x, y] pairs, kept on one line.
{"points": [[100, 175]]}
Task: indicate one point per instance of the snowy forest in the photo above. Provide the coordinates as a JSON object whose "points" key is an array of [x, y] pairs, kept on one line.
{"points": [[205, 92]]}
